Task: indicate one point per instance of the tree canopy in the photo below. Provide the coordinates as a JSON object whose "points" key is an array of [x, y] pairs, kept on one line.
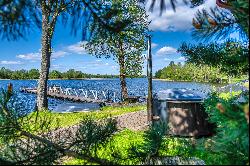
{"points": [[129, 38], [191, 72], [54, 74], [230, 57], [126, 43]]}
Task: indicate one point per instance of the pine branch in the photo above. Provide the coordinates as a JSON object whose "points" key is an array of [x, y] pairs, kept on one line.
{"points": [[214, 25]]}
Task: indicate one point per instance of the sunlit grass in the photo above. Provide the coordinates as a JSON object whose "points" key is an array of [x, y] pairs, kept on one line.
{"points": [[68, 119], [228, 95], [121, 142]]}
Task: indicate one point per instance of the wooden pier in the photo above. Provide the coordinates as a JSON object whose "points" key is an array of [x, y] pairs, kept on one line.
{"points": [[62, 96]]}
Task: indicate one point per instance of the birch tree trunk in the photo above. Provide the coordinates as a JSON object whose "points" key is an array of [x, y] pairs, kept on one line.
{"points": [[42, 101], [48, 26], [124, 89]]}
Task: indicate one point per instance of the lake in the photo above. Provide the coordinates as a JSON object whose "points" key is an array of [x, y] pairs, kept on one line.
{"points": [[136, 86]]}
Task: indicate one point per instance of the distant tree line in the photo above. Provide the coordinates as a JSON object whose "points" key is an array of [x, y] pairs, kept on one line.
{"points": [[54, 74], [191, 72], [231, 57]]}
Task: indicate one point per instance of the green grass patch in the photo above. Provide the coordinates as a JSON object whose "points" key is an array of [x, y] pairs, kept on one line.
{"points": [[235, 80], [54, 120], [121, 142], [228, 95]]}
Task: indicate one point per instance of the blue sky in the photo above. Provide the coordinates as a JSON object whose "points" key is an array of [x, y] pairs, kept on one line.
{"points": [[169, 31]]}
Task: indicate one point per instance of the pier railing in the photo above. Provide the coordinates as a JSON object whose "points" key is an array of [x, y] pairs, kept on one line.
{"points": [[88, 95]]}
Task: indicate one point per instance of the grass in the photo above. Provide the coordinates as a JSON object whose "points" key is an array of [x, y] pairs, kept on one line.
{"points": [[235, 80], [228, 95], [121, 142], [56, 120], [172, 146]]}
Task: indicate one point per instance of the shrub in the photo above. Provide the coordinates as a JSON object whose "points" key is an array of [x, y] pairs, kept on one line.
{"points": [[231, 142]]}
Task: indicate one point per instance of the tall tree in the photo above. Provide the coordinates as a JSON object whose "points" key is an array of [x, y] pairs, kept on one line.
{"points": [[17, 17], [126, 43], [50, 11]]}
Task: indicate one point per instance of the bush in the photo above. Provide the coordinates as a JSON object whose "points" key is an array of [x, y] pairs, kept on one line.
{"points": [[230, 145]]}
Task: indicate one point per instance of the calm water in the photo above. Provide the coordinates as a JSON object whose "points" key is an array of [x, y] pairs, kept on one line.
{"points": [[136, 86]]}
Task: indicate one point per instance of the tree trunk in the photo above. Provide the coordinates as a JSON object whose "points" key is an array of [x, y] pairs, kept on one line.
{"points": [[124, 89], [42, 101]]}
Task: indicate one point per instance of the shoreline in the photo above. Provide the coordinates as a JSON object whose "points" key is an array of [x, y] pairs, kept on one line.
{"points": [[154, 79], [61, 79]]}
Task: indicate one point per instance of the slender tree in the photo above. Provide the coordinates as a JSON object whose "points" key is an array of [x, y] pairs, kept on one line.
{"points": [[126, 43], [51, 10], [17, 17]]}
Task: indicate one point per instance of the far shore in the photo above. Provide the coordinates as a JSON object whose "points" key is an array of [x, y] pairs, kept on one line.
{"points": [[63, 79], [158, 79], [155, 79]]}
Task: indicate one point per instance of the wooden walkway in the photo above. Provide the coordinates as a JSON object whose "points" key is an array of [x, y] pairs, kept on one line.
{"points": [[64, 97]]}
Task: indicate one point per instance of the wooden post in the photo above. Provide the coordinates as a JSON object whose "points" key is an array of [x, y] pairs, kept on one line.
{"points": [[149, 74], [10, 88]]}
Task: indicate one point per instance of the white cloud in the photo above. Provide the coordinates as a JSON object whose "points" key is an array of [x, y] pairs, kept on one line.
{"points": [[81, 67], [30, 56], [181, 59], [181, 20], [10, 63], [174, 59], [58, 54], [37, 55], [114, 67], [154, 45], [166, 50], [167, 59], [56, 66], [77, 48]]}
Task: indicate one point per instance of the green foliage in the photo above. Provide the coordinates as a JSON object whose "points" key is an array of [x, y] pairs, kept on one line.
{"points": [[228, 95], [131, 147], [74, 74], [14, 21], [33, 74], [126, 43], [190, 72], [231, 142], [118, 149], [19, 74], [230, 57], [15, 147], [54, 74], [153, 140], [240, 10], [31, 140]]}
